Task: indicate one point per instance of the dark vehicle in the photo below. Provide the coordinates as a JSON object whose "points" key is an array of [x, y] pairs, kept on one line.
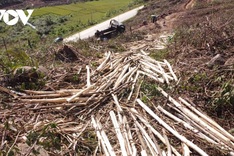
{"points": [[114, 29]]}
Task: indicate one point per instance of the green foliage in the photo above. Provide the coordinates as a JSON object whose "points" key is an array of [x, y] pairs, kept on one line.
{"points": [[159, 54], [135, 2], [224, 98], [61, 20], [47, 137], [150, 89], [12, 59]]}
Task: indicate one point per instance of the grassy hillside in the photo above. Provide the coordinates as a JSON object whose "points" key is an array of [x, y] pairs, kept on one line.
{"points": [[63, 20], [51, 22]]}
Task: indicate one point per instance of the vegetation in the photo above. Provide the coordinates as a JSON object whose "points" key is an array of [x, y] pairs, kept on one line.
{"points": [[195, 43], [21, 43]]}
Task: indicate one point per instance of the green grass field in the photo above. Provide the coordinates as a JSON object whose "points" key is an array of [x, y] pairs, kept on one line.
{"points": [[80, 15], [84, 11], [63, 20]]}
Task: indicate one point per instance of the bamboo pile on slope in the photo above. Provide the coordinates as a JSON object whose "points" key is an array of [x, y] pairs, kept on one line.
{"points": [[123, 123]]}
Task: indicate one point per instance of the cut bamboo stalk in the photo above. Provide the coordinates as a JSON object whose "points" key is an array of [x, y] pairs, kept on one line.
{"points": [[147, 58], [149, 65], [198, 120], [79, 93], [155, 142], [55, 100], [151, 144], [106, 140], [170, 69], [126, 136], [186, 125], [164, 153], [45, 96], [186, 151], [167, 143], [121, 75], [147, 70], [143, 153], [164, 74], [157, 68], [118, 133], [112, 73], [151, 151], [130, 78], [132, 144], [104, 62], [174, 132], [88, 76], [202, 129], [133, 86], [117, 102], [143, 52], [127, 74], [153, 130], [155, 78], [52, 92], [140, 137], [209, 120], [99, 136]]}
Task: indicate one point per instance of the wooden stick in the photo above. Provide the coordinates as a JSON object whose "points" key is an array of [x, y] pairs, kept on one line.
{"points": [[209, 120], [106, 140], [174, 132], [167, 143], [151, 145], [169, 66], [133, 147], [198, 120], [186, 150], [88, 76], [144, 121], [121, 75], [186, 125], [104, 62], [118, 133], [55, 100], [51, 92], [155, 78], [126, 136], [99, 136], [79, 93], [133, 86], [117, 102]]}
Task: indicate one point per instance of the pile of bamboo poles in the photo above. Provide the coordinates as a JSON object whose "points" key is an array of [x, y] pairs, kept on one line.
{"points": [[124, 124]]}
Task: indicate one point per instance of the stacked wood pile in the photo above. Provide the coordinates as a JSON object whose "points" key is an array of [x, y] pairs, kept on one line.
{"points": [[110, 104]]}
